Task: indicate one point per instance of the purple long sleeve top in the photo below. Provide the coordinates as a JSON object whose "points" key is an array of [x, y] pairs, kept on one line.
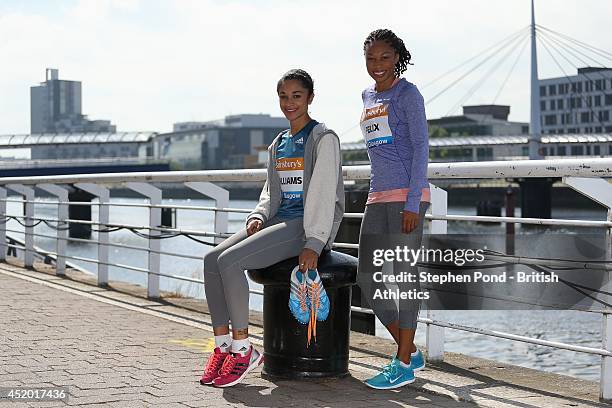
{"points": [[395, 130]]}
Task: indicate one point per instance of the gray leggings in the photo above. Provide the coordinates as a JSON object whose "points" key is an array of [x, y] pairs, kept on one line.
{"points": [[225, 284], [380, 220]]}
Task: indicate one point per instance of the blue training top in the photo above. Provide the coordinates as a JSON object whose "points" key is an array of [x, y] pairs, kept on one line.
{"points": [[290, 167]]}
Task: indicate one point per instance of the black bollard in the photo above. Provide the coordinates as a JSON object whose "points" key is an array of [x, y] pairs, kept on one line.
{"points": [[168, 217], [536, 197], [355, 200], [286, 353], [81, 212], [488, 208]]}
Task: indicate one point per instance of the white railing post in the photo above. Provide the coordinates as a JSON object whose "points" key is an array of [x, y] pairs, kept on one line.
{"points": [[599, 190], [3, 222], [221, 197], [62, 225], [435, 335], [103, 196], [154, 195], [605, 385], [28, 195]]}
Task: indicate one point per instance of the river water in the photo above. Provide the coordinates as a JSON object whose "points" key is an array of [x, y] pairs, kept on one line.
{"points": [[578, 328]]}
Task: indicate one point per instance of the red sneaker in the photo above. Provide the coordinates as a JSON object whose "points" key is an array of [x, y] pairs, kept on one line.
{"points": [[236, 367], [213, 365]]}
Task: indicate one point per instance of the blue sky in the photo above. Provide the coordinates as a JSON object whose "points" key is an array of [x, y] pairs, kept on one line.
{"points": [[148, 64]]}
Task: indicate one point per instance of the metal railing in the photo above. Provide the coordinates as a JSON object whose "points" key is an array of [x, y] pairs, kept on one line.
{"points": [[82, 161], [587, 176]]}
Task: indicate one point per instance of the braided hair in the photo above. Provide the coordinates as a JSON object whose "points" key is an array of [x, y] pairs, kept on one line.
{"points": [[394, 41], [298, 75]]}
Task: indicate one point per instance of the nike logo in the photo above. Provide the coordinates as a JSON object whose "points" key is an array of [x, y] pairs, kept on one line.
{"points": [[392, 381]]}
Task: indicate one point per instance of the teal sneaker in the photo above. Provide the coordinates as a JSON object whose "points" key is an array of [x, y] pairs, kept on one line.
{"points": [[417, 361], [317, 295], [298, 297], [319, 302], [393, 375]]}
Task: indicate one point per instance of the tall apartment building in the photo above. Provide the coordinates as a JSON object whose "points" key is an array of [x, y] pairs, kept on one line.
{"points": [[55, 107], [580, 103]]}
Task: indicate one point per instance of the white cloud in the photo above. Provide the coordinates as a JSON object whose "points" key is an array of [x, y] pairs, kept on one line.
{"points": [[145, 65]]}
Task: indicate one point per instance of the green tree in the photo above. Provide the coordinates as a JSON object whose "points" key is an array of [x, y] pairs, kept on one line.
{"points": [[437, 131]]}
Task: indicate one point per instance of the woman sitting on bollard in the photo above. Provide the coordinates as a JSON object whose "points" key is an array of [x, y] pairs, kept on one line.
{"points": [[394, 126], [299, 211]]}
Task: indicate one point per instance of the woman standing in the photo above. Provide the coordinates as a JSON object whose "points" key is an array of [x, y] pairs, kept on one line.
{"points": [[299, 211], [394, 126]]}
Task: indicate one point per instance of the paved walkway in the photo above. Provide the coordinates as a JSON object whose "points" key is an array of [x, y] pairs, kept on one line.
{"points": [[115, 349]]}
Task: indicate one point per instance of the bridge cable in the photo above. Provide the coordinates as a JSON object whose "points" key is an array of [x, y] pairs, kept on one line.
{"points": [[595, 50], [474, 68], [544, 41], [571, 50], [485, 77], [509, 38], [518, 57]]}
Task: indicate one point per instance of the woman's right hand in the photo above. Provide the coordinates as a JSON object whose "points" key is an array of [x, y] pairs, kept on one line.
{"points": [[253, 226]]}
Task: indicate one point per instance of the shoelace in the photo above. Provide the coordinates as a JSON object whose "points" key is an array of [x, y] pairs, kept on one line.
{"points": [[314, 308], [302, 295], [228, 365], [389, 370], [213, 362]]}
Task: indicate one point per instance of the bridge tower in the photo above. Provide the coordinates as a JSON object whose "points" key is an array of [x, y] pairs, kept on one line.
{"points": [[536, 200]]}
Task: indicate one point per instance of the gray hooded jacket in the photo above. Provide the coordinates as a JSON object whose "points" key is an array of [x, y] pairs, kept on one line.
{"points": [[323, 188]]}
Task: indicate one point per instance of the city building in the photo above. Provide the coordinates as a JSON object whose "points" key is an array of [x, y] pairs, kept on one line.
{"points": [[478, 120], [237, 141], [580, 103], [182, 126], [55, 107]]}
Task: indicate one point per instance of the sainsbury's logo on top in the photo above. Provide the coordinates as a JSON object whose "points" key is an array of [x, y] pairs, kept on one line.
{"points": [[290, 163]]}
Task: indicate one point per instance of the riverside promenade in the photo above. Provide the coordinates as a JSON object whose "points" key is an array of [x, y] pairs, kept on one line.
{"points": [[113, 347]]}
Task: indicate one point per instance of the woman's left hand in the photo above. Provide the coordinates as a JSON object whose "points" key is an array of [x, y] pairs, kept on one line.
{"points": [[308, 259], [410, 221]]}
